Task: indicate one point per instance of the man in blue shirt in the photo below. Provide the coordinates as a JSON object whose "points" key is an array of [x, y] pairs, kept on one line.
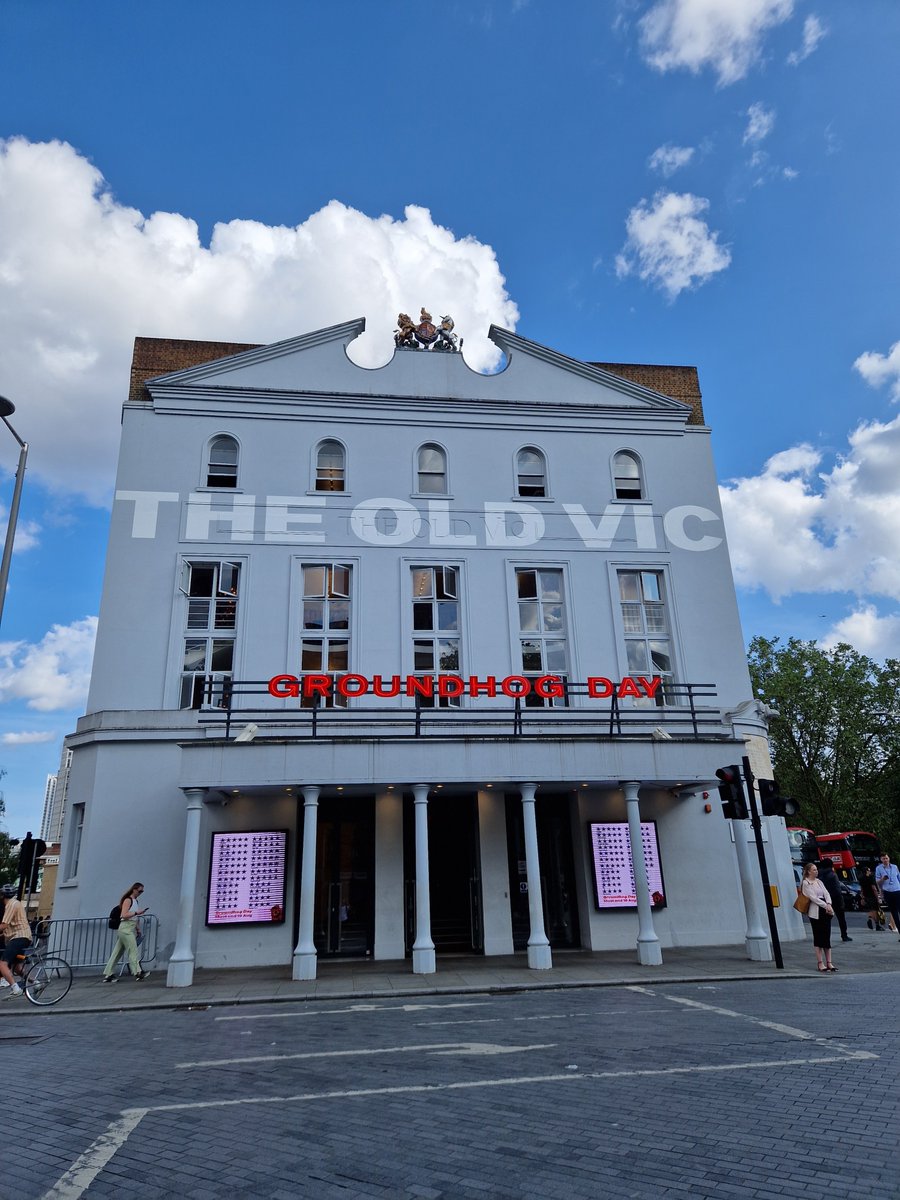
{"points": [[887, 877]]}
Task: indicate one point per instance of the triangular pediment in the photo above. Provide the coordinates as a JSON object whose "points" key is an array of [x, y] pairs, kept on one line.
{"points": [[317, 363]]}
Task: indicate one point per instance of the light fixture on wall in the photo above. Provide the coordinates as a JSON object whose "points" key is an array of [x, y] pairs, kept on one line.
{"points": [[248, 733]]}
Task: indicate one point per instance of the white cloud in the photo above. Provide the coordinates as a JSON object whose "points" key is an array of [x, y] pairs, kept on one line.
{"points": [[724, 35], [27, 532], [866, 631], [760, 123], [53, 673], [26, 739], [878, 369], [81, 275], [670, 245], [668, 159], [796, 529], [813, 32]]}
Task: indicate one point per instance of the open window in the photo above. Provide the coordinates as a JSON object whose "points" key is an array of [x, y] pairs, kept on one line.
{"points": [[330, 467], [531, 472], [222, 462], [628, 479]]}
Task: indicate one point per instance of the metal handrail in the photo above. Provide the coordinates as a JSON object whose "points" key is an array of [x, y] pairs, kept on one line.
{"points": [[694, 715]]}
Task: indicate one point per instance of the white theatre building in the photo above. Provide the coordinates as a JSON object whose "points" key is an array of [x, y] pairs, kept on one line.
{"points": [[415, 660]]}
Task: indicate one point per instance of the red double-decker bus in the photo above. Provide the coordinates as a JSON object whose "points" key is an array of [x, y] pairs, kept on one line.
{"points": [[854, 848]]}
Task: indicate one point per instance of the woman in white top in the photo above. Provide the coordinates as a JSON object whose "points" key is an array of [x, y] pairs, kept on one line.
{"points": [[820, 914]]}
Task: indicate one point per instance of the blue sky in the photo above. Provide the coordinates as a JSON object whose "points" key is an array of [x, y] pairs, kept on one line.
{"points": [[711, 182]]}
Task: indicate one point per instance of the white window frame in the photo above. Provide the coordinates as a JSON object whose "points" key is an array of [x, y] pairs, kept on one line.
{"points": [[434, 635], [74, 836], [210, 633], [299, 635], [320, 444], [207, 461], [519, 494], [417, 472], [641, 476], [673, 638], [517, 634]]}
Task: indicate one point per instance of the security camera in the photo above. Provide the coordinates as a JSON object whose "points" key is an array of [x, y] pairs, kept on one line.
{"points": [[248, 733]]}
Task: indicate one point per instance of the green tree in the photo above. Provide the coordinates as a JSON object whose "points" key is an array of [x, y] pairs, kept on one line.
{"points": [[836, 739]]}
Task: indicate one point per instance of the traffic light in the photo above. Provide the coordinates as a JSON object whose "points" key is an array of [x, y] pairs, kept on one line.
{"points": [[773, 803], [731, 790]]}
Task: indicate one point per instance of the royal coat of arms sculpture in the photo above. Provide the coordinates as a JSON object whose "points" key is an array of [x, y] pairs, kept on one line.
{"points": [[426, 335]]}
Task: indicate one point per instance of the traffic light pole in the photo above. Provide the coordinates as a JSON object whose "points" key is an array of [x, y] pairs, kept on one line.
{"points": [[761, 855]]}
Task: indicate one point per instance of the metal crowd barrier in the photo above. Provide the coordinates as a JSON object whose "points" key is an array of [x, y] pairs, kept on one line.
{"points": [[88, 941]]}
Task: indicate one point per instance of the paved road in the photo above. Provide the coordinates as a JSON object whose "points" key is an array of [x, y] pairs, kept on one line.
{"points": [[769, 1089]]}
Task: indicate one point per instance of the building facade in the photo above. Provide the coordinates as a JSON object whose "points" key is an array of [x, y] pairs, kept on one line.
{"points": [[411, 660]]}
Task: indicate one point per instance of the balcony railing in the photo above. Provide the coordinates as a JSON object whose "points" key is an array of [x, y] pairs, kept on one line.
{"points": [[688, 714]]}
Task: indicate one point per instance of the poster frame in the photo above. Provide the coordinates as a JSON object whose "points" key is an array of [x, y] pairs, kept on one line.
{"points": [[252, 921]]}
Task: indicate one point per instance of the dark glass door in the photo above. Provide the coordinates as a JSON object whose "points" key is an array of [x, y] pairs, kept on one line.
{"points": [[456, 924], [554, 833], [344, 922]]}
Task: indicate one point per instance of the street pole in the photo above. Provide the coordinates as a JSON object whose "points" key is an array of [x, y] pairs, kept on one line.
{"points": [[7, 408], [756, 822]]}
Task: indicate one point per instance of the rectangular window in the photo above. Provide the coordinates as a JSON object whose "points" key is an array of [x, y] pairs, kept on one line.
{"points": [[208, 650], [645, 623], [77, 821], [436, 627], [543, 638], [325, 625]]}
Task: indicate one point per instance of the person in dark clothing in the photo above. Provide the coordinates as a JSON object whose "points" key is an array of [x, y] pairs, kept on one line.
{"points": [[870, 900], [833, 887]]}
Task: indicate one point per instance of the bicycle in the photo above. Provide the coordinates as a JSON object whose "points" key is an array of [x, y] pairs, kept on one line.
{"points": [[46, 978]]}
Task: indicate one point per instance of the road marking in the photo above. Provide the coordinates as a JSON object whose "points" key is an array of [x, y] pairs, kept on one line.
{"points": [[79, 1177], [564, 1016], [775, 1026], [354, 1008], [468, 1048], [84, 1170]]}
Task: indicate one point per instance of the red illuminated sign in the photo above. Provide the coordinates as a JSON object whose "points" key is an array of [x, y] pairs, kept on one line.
{"points": [[547, 687]]}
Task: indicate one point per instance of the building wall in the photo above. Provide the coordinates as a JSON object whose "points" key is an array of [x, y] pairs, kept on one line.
{"points": [[134, 751]]}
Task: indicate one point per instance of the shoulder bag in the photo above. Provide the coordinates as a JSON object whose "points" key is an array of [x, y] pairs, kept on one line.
{"points": [[802, 903]]}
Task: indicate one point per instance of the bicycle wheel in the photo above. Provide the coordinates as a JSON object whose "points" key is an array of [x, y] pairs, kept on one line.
{"points": [[48, 980]]}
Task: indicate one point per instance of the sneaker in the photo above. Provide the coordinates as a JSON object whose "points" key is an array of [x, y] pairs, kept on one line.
{"points": [[109, 979], [3, 983], [142, 975], [847, 939], [15, 990]]}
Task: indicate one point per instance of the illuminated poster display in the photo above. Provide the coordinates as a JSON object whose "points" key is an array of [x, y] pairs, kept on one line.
{"points": [[246, 877], [613, 868]]}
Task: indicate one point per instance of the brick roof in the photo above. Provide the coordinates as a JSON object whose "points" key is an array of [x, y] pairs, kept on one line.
{"points": [[681, 383], [160, 356]]}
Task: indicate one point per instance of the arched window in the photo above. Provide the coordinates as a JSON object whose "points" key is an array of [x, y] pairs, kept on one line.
{"points": [[628, 480], [222, 464], [330, 467], [531, 472], [431, 470]]}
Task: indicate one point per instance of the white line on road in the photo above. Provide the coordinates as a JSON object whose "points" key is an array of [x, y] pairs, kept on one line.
{"points": [[563, 1016], [354, 1008], [469, 1048], [84, 1170], [775, 1026], [79, 1177]]}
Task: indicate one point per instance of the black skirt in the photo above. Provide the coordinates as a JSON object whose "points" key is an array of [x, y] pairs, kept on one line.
{"points": [[821, 930]]}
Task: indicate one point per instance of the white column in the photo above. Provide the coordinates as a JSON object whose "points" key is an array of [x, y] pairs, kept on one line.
{"points": [[539, 956], [756, 939], [648, 947], [181, 964], [423, 947], [389, 892], [304, 966]]}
